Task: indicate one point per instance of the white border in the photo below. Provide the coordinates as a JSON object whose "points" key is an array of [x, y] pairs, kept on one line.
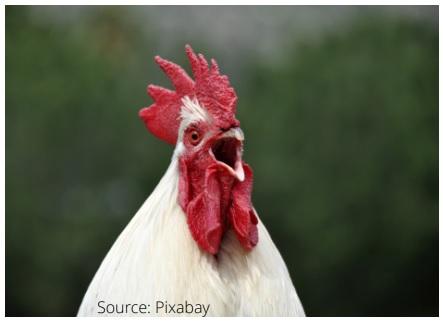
{"points": [[440, 163], [2, 161], [182, 2], [219, 2]]}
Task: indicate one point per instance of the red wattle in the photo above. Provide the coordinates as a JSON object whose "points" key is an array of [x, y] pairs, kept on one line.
{"points": [[241, 214], [215, 201], [204, 217]]}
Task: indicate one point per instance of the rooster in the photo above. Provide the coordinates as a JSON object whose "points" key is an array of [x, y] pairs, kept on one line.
{"points": [[197, 245]]}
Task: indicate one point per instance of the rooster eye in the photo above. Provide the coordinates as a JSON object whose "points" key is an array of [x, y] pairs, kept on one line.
{"points": [[195, 137]]}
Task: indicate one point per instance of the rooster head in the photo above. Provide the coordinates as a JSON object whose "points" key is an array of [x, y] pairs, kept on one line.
{"points": [[198, 117]]}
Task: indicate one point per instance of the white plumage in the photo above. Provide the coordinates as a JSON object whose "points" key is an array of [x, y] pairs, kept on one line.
{"points": [[155, 258]]}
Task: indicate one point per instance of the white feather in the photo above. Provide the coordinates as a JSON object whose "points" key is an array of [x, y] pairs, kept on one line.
{"points": [[191, 112]]}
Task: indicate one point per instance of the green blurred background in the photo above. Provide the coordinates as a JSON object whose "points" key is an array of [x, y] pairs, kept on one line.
{"points": [[340, 110]]}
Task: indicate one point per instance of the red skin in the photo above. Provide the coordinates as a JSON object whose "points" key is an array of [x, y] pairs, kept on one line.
{"points": [[213, 199]]}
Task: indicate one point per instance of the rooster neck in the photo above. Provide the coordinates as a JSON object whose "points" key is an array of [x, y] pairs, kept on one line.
{"points": [[155, 257]]}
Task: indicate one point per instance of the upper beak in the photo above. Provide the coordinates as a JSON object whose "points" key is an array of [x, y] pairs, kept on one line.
{"points": [[235, 132], [228, 150]]}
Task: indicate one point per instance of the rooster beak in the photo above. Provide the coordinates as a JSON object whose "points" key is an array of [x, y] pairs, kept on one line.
{"points": [[235, 132], [228, 150]]}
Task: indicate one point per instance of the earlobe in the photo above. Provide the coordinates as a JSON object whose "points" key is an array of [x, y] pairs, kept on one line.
{"points": [[183, 185]]}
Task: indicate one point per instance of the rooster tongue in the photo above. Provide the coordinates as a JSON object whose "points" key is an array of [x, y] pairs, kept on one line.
{"points": [[227, 152]]}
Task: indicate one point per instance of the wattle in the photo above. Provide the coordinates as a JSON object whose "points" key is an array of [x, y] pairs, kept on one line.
{"points": [[216, 203]]}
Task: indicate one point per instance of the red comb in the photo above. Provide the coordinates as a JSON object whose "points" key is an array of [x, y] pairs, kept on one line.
{"points": [[212, 90]]}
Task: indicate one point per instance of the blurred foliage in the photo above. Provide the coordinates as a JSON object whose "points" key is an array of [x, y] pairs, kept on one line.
{"points": [[342, 136]]}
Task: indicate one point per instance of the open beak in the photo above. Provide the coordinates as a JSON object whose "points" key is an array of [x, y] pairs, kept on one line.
{"points": [[227, 152]]}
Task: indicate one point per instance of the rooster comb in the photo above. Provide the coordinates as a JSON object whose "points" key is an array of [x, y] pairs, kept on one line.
{"points": [[211, 89]]}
